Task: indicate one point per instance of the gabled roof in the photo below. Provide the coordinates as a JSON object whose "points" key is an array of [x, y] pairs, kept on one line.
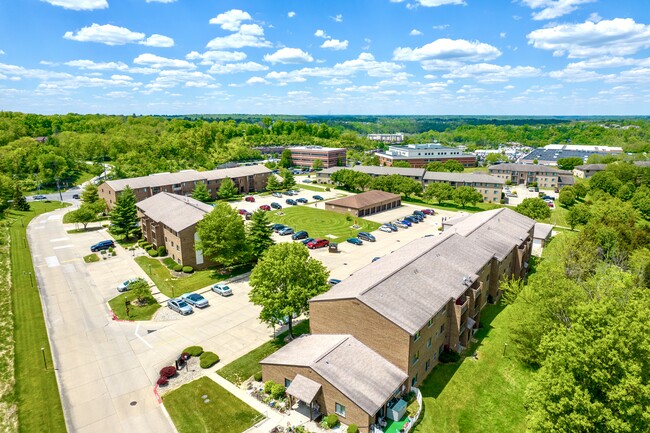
{"points": [[410, 285], [375, 170], [357, 371], [462, 177], [542, 231], [304, 388], [591, 167], [175, 211], [244, 170], [533, 168], [368, 198], [155, 180]]}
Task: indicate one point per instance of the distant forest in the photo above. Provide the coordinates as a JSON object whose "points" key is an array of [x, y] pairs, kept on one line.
{"points": [[141, 145]]}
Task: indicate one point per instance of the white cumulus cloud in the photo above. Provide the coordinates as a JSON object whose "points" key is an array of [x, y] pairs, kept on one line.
{"points": [[338, 18], [448, 49], [617, 37], [321, 34], [159, 62], [232, 68], [247, 35], [79, 5], [231, 20], [289, 55], [489, 73], [159, 41], [551, 9], [436, 3], [415, 32], [291, 14], [335, 44], [109, 34], [97, 66], [257, 80], [210, 57]]}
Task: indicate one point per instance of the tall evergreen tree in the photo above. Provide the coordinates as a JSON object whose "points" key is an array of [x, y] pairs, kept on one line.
{"points": [[273, 184], [20, 202], [201, 193], [227, 189], [285, 158], [124, 216], [90, 194], [259, 234], [288, 180]]}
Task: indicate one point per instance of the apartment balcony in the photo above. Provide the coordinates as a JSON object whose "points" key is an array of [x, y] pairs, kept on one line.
{"points": [[477, 290], [462, 304]]}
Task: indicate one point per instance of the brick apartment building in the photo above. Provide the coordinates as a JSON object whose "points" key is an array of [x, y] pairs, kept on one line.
{"points": [[246, 178], [170, 220], [304, 156], [409, 307], [545, 176], [419, 155]]}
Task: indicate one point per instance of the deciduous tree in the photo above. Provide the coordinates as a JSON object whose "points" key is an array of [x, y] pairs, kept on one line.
{"points": [[86, 214], [222, 237], [578, 215], [567, 198], [569, 163], [285, 159], [440, 191], [534, 208], [317, 164], [464, 195], [401, 164]]}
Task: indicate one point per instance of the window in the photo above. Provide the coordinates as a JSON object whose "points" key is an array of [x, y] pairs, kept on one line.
{"points": [[416, 337], [428, 343], [426, 366], [416, 357], [430, 323], [287, 382], [440, 349], [442, 328], [339, 409], [414, 380]]}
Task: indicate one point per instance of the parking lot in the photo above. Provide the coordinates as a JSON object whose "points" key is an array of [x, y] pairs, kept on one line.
{"points": [[523, 193]]}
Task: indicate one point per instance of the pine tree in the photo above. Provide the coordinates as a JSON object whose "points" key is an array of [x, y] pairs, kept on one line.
{"points": [[288, 181], [20, 202], [90, 194], [201, 193], [227, 189], [259, 234], [273, 184], [124, 216]]}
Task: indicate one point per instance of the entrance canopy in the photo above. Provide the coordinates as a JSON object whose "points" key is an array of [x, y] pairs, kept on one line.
{"points": [[303, 388]]}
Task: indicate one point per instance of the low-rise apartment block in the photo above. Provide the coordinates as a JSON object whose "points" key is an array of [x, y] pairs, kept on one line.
{"points": [[545, 176], [304, 156], [489, 186], [412, 305], [170, 220], [246, 178], [419, 155], [387, 138]]}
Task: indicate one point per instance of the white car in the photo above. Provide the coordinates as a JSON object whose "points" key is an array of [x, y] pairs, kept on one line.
{"points": [[222, 289], [385, 228], [125, 285]]}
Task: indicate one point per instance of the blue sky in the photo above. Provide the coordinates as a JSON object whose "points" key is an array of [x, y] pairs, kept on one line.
{"points": [[519, 57]]}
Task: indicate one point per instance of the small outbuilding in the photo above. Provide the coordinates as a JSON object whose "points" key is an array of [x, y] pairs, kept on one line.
{"points": [[366, 203]]}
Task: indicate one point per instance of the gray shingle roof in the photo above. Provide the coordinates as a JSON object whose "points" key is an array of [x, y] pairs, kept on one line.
{"points": [[368, 198], [412, 284], [304, 388], [244, 170], [357, 371], [542, 231], [375, 170], [534, 168], [175, 211], [591, 167], [462, 177]]}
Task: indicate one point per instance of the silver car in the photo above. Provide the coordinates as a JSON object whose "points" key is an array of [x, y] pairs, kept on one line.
{"points": [[222, 289], [195, 300], [180, 306], [125, 285]]}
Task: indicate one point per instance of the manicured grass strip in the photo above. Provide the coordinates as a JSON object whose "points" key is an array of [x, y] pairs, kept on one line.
{"points": [[223, 413], [244, 367], [310, 187], [37, 394], [320, 223], [135, 313], [91, 258], [163, 279], [450, 206], [484, 395]]}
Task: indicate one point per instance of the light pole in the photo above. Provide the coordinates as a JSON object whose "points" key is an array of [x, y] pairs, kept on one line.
{"points": [[59, 189]]}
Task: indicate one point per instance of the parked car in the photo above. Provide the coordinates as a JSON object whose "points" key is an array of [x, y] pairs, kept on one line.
{"points": [[222, 289], [195, 300], [291, 202], [40, 197], [306, 241], [374, 259], [242, 211], [550, 204], [299, 235], [391, 226], [402, 224], [318, 243], [102, 245], [250, 199], [417, 217], [385, 228], [295, 191], [411, 219], [366, 236], [126, 285], [317, 197], [333, 281], [276, 205], [265, 207], [276, 194], [306, 181], [288, 192], [285, 231], [180, 306], [428, 211], [277, 227], [301, 200], [355, 241], [75, 196], [420, 213], [548, 197]]}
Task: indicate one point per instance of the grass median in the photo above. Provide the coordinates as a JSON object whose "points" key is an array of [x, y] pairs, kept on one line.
{"points": [[36, 392], [136, 312], [218, 412]]}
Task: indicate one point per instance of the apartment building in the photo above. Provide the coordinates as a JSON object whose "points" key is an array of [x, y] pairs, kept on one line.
{"points": [[419, 155], [170, 220], [416, 174], [490, 187], [387, 138], [246, 178], [304, 156], [417, 302], [545, 176]]}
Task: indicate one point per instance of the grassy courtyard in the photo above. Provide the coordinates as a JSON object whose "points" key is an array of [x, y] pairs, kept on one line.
{"points": [[484, 395], [320, 223], [172, 286], [223, 413], [145, 312], [36, 393]]}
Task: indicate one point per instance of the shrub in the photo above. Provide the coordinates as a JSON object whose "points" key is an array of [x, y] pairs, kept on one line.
{"points": [[449, 356], [168, 371], [142, 242], [268, 386], [277, 391], [111, 249], [188, 269], [194, 350], [178, 268], [162, 380], [258, 376], [332, 420], [152, 252], [162, 251], [208, 359], [352, 428], [327, 189]]}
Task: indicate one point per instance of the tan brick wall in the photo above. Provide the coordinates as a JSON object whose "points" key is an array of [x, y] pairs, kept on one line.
{"points": [[326, 399], [437, 334], [366, 325]]}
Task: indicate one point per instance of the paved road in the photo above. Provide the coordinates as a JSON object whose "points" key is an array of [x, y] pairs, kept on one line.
{"points": [[99, 373]]}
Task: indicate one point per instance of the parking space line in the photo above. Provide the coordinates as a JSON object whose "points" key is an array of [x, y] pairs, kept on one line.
{"points": [[60, 247], [52, 261], [141, 339], [60, 239]]}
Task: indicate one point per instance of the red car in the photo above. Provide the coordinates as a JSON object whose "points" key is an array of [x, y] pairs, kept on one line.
{"points": [[428, 211], [318, 243], [250, 199], [265, 207], [243, 211]]}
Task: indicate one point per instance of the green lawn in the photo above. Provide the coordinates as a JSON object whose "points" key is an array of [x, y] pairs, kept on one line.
{"points": [[224, 413], [310, 187], [450, 206], [36, 391], [242, 368], [484, 395], [135, 313], [320, 223], [163, 279]]}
